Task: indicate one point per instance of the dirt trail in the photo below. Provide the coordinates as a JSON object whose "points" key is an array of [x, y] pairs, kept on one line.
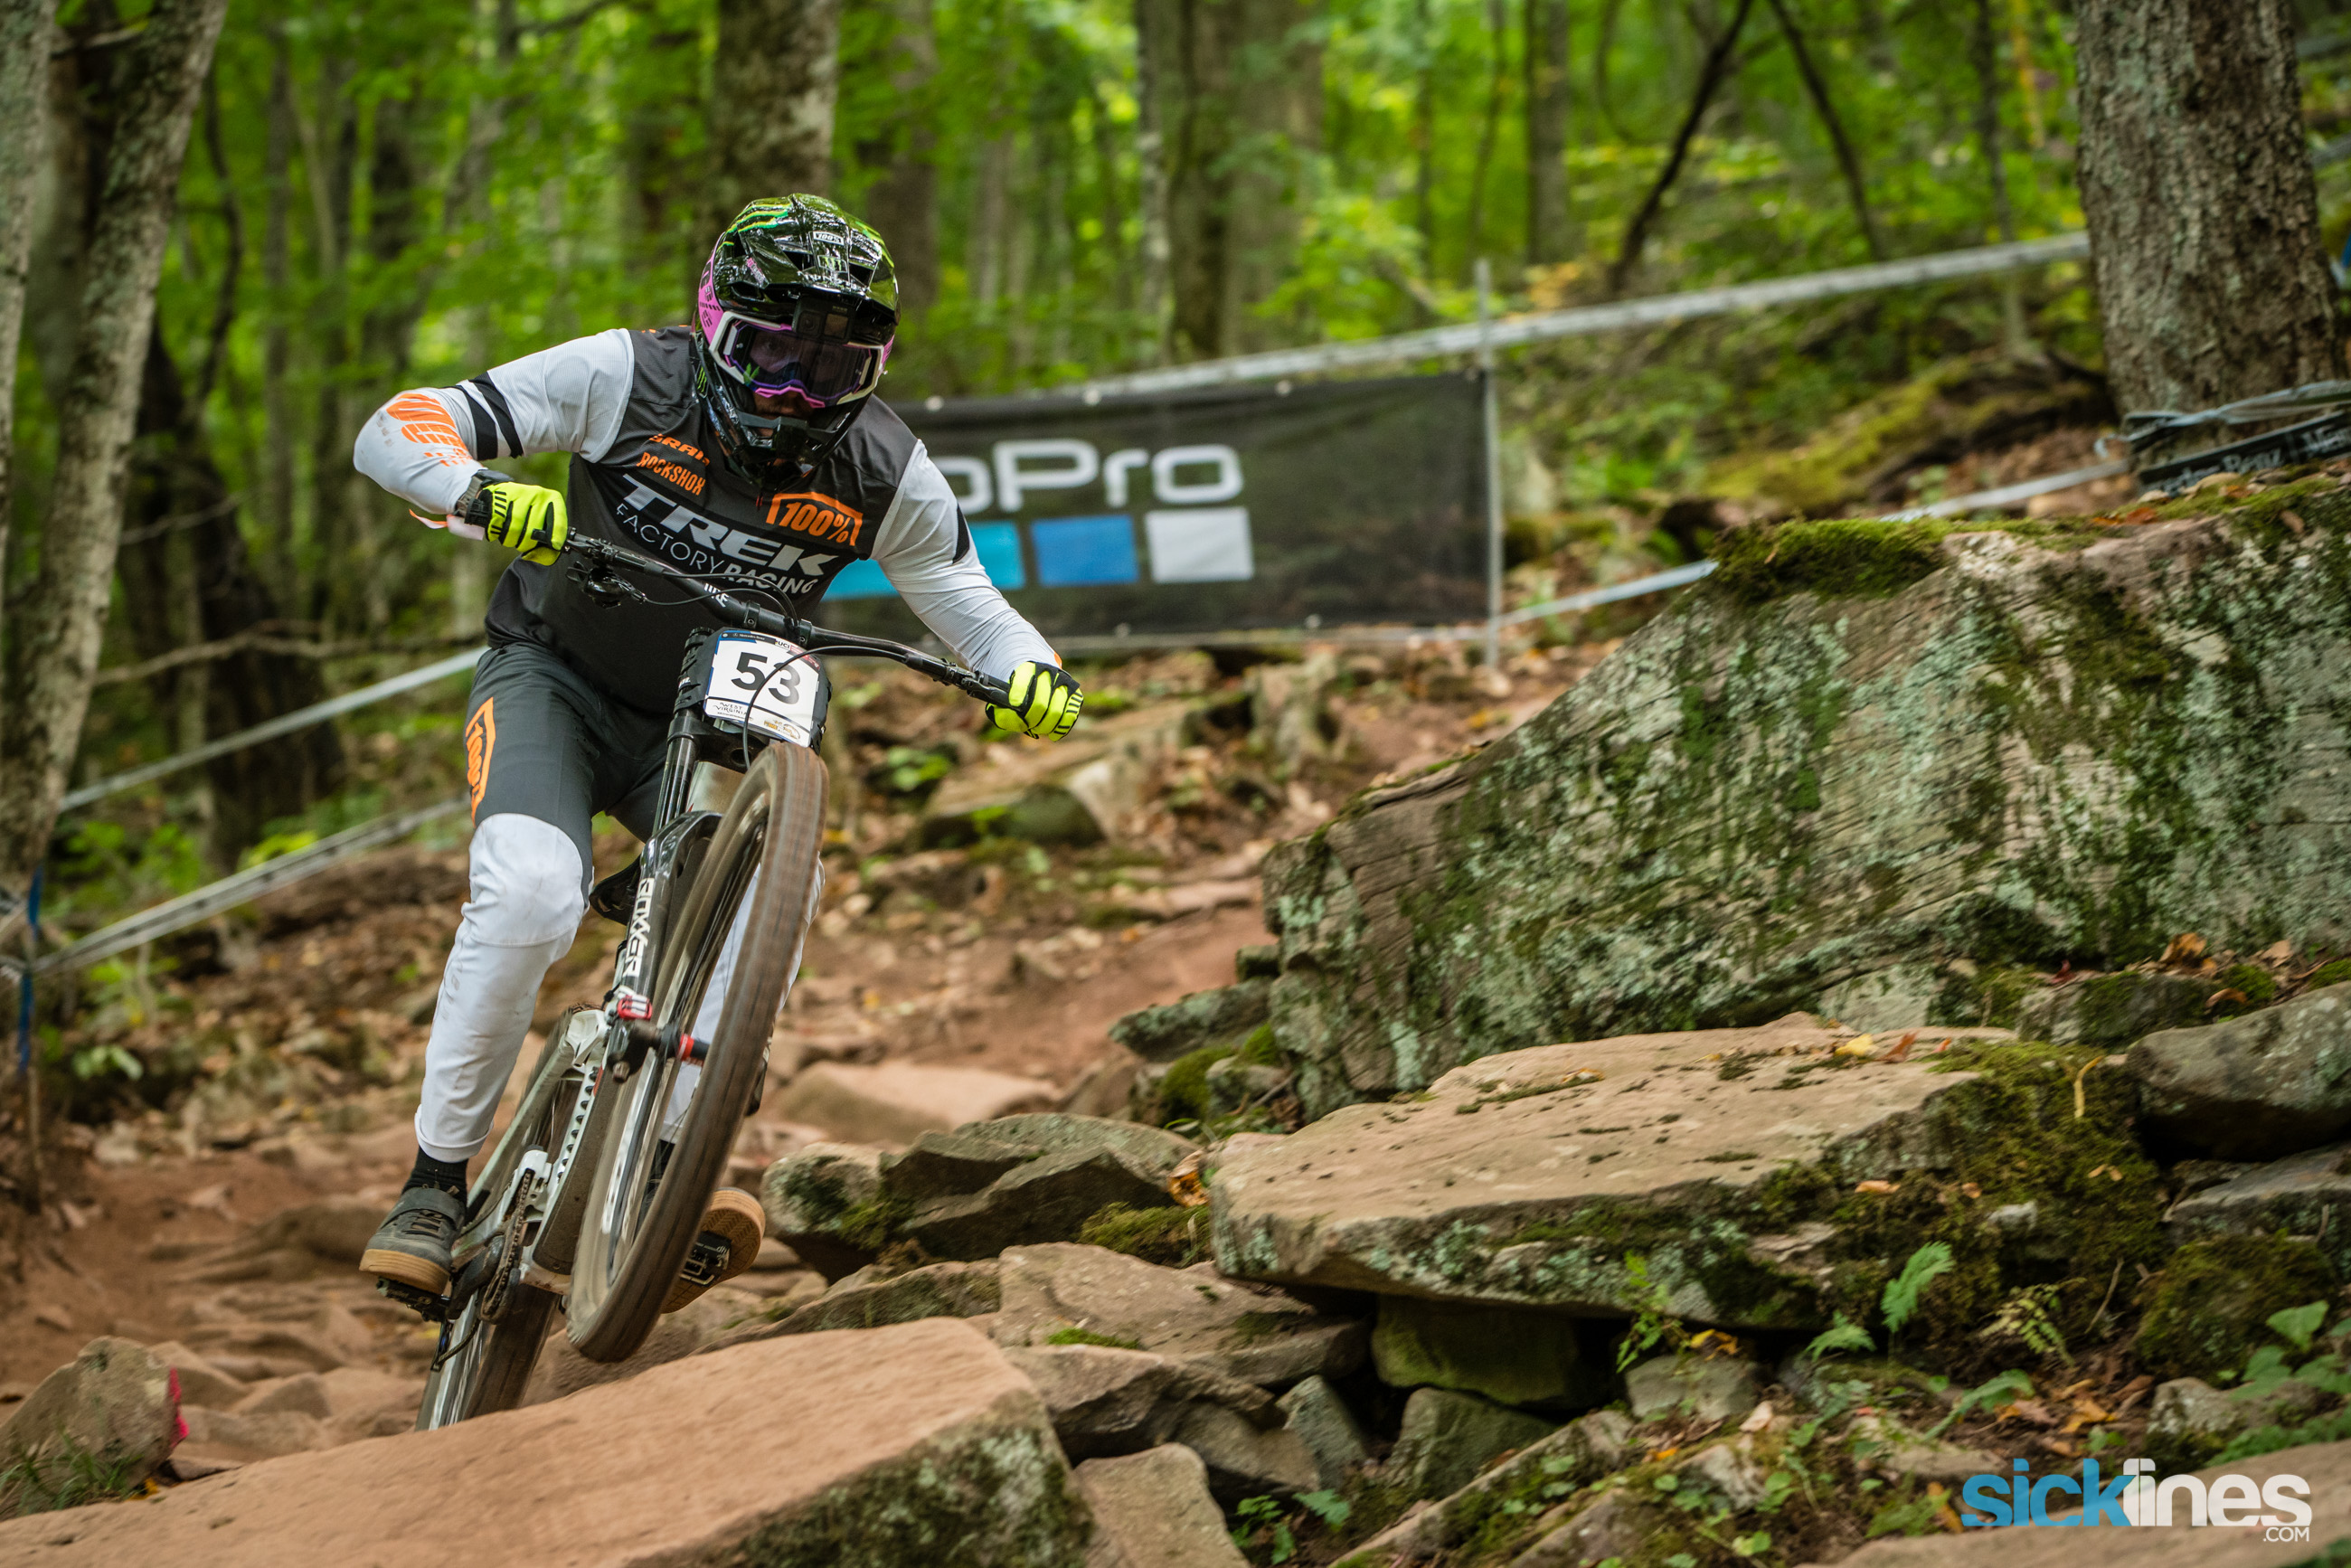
{"points": [[288, 1046]]}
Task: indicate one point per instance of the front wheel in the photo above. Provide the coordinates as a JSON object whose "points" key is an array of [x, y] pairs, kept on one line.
{"points": [[657, 1169]]}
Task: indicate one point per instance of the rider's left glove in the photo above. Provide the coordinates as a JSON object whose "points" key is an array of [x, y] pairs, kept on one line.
{"points": [[1045, 701], [526, 517]]}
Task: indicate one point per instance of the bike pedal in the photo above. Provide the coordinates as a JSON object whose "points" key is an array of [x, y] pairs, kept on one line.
{"points": [[706, 1264], [433, 1309]]}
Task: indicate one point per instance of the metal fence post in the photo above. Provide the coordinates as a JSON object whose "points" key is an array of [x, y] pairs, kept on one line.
{"points": [[1492, 421]]}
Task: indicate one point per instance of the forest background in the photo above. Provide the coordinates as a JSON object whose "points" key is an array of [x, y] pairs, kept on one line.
{"points": [[380, 195]]}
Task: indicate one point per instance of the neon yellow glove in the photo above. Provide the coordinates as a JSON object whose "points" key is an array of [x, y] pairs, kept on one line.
{"points": [[530, 519], [1045, 701]]}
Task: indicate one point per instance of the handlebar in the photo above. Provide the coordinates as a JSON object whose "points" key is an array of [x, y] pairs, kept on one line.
{"points": [[791, 628]]}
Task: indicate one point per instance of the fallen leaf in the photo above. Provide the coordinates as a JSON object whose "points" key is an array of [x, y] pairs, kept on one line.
{"points": [[1901, 1047], [2139, 514], [1972, 1189], [1859, 1045], [1885, 1186], [1183, 1181], [1757, 1418], [1663, 1454], [2183, 948], [2030, 1411], [2294, 520], [2226, 994]]}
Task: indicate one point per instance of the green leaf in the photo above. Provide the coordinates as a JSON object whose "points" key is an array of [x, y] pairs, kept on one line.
{"points": [[1681, 1560], [2298, 1325], [1926, 1265], [1667, 1483], [1748, 1545], [1327, 1506], [1842, 1334]]}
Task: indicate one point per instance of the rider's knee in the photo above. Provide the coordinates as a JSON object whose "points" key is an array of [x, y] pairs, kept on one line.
{"points": [[528, 884]]}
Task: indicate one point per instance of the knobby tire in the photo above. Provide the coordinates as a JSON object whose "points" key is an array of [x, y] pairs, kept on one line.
{"points": [[624, 1271]]}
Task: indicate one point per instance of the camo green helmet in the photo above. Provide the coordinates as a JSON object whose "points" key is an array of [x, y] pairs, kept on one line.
{"points": [[798, 306]]}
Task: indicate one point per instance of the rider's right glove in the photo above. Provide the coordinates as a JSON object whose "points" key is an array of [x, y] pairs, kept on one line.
{"points": [[1045, 701], [530, 519]]}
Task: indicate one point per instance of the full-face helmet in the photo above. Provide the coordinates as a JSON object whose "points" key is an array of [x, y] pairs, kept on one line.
{"points": [[797, 308]]}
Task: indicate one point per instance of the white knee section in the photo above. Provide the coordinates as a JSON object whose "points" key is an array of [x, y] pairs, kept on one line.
{"points": [[527, 895]]}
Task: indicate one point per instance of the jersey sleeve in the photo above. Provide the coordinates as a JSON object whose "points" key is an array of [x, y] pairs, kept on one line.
{"points": [[925, 551], [424, 445]]}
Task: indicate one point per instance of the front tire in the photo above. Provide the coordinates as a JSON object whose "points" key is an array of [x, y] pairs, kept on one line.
{"points": [[645, 1210]]}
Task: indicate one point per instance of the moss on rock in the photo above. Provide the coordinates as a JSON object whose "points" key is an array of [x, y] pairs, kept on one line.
{"points": [[2208, 1311], [2058, 741], [1176, 1236]]}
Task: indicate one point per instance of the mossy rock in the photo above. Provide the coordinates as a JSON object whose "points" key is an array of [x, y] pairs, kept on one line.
{"points": [[1173, 1236], [2209, 1309], [1886, 744]]}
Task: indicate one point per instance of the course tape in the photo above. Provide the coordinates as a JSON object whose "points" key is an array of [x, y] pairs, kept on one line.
{"points": [[1583, 320], [190, 908], [284, 723]]}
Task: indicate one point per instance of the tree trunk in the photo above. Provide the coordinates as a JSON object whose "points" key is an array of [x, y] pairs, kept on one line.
{"points": [[386, 332], [187, 579], [54, 641], [1489, 129], [2201, 208], [1424, 139], [1548, 223], [276, 336], [1239, 85], [901, 204], [2013, 336], [1151, 163], [771, 97], [24, 34]]}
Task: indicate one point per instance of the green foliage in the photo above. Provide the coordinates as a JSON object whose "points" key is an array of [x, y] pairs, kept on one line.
{"points": [[1265, 1516], [1841, 1334], [65, 1475], [1900, 1301], [2297, 1325], [1655, 1323]]}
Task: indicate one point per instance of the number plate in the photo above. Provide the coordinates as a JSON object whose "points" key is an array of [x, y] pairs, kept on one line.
{"points": [[763, 683]]}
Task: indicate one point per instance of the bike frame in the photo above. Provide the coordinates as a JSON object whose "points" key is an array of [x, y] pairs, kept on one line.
{"points": [[666, 866]]}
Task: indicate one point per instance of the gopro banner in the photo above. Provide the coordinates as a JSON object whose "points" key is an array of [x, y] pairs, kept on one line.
{"points": [[1226, 508]]}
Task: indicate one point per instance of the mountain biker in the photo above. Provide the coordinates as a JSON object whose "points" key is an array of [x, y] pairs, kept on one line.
{"points": [[747, 446]]}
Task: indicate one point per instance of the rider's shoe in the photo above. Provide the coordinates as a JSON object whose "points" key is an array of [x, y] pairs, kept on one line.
{"points": [[732, 1228], [411, 1246]]}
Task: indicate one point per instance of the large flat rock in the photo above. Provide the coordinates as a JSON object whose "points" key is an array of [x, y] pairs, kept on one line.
{"points": [[1781, 785], [1528, 1177], [876, 1448]]}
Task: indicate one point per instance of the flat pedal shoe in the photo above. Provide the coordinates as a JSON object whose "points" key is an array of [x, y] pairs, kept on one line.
{"points": [[411, 1246], [732, 1228]]}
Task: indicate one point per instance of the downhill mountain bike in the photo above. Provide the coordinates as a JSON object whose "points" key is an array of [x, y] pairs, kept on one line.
{"points": [[594, 1195]]}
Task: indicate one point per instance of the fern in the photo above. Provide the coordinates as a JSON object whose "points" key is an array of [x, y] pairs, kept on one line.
{"points": [[1842, 1334], [1900, 1301]]}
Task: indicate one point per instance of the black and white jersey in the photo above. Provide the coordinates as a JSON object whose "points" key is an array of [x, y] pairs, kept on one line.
{"points": [[622, 403]]}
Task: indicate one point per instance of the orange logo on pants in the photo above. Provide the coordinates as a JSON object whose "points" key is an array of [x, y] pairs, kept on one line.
{"points": [[480, 739]]}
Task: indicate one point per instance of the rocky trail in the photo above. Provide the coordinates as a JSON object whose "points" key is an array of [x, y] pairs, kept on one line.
{"points": [[1666, 1135]]}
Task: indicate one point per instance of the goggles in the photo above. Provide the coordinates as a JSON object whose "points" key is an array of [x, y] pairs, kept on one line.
{"points": [[812, 353]]}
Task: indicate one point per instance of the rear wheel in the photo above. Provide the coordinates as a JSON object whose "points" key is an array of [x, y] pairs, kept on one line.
{"points": [[655, 1170]]}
